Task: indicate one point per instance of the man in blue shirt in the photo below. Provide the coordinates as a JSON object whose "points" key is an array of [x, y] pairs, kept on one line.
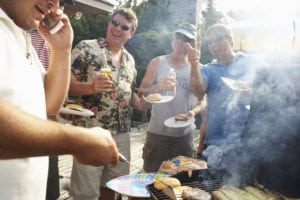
{"points": [[227, 105]]}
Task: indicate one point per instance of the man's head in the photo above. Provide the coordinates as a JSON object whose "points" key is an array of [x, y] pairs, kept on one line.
{"points": [[28, 14], [220, 40], [186, 32], [122, 26]]}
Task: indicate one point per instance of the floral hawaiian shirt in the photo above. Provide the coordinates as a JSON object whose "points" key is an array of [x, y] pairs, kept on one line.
{"points": [[112, 110]]}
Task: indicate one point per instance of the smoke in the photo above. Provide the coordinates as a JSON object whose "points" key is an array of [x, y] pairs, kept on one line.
{"points": [[270, 147]]}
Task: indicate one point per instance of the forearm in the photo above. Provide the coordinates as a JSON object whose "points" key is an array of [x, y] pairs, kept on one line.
{"points": [[78, 88], [24, 135], [57, 80], [139, 103], [203, 127], [196, 109], [150, 89], [197, 83]]}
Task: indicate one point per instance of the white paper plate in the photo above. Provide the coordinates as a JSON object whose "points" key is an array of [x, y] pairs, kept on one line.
{"points": [[232, 84], [164, 99], [170, 122], [134, 185], [84, 112]]}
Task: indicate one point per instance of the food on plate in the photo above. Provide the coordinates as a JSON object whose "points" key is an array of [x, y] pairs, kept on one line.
{"points": [[164, 182], [181, 117], [195, 194], [74, 107], [242, 84], [154, 97], [176, 192], [168, 167]]}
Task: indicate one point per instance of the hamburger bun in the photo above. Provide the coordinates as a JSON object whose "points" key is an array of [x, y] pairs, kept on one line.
{"points": [[181, 117], [74, 107], [153, 97], [165, 182]]}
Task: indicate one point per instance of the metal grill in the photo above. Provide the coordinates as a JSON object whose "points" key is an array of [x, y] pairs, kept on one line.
{"points": [[208, 180]]}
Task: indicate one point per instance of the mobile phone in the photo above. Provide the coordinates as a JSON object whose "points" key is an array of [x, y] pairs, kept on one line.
{"points": [[51, 24]]}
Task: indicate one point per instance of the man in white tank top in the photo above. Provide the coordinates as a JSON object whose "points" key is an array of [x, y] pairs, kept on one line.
{"points": [[164, 142]]}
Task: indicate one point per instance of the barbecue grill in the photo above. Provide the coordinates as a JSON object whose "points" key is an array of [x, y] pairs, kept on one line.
{"points": [[205, 179]]}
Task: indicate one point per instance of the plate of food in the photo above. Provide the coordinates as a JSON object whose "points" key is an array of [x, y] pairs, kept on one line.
{"points": [[134, 185], [179, 121], [75, 109], [237, 85], [156, 98]]}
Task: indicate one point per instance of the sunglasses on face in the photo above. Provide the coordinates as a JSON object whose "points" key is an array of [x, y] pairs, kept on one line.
{"points": [[63, 3], [215, 40], [116, 24]]}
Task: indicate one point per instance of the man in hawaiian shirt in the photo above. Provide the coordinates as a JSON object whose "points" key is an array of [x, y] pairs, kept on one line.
{"points": [[111, 98]]}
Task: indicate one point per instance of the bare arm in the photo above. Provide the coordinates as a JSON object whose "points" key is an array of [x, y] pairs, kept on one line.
{"points": [[24, 135], [101, 83], [148, 83], [202, 132], [139, 103], [195, 110], [197, 83], [58, 74]]}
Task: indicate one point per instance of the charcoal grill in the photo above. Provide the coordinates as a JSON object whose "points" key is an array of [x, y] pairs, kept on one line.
{"points": [[207, 179]]}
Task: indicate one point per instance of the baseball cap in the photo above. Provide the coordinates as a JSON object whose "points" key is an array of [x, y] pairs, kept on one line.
{"points": [[188, 30]]}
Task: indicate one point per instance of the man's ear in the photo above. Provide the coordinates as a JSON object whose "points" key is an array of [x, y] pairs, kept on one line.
{"points": [[132, 33]]}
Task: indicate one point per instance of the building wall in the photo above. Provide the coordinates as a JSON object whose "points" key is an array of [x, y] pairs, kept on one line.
{"points": [[184, 10]]}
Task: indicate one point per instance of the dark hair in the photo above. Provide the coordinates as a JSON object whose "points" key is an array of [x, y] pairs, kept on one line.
{"points": [[129, 15]]}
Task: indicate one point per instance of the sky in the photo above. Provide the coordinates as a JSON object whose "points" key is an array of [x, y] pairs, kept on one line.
{"points": [[268, 23]]}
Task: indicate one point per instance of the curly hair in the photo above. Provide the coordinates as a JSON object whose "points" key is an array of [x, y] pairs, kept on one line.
{"points": [[129, 15]]}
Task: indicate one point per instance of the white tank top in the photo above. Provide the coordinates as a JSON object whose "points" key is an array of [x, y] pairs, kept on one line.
{"points": [[183, 102]]}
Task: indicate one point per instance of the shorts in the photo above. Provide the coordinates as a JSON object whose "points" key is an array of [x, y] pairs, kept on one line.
{"points": [[86, 180], [159, 148]]}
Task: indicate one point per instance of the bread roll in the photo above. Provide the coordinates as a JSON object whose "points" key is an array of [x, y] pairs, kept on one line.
{"points": [[154, 97], [162, 183], [181, 117], [176, 192], [74, 107]]}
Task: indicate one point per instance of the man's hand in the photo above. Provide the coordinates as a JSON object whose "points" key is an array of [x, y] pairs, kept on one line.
{"points": [[194, 54], [166, 84], [102, 83], [98, 148]]}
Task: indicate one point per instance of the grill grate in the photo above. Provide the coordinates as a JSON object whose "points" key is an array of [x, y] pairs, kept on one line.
{"points": [[208, 180]]}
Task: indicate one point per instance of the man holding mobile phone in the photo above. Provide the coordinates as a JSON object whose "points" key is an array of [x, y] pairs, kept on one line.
{"points": [[28, 93]]}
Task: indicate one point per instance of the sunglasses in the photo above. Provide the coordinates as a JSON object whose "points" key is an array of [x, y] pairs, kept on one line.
{"points": [[63, 3], [116, 24], [217, 39]]}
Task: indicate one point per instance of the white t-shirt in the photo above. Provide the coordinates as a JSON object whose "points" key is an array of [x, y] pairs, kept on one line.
{"points": [[22, 84]]}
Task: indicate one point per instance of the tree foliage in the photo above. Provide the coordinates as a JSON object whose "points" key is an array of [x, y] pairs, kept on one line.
{"points": [[210, 16], [89, 27], [154, 33]]}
